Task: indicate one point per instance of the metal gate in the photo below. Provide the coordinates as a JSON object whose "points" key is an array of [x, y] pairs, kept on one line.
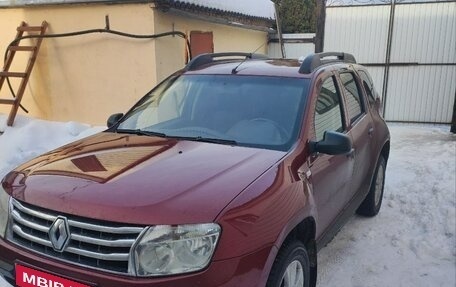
{"points": [[410, 51]]}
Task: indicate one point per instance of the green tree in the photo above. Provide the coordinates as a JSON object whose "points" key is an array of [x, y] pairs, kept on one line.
{"points": [[297, 16]]}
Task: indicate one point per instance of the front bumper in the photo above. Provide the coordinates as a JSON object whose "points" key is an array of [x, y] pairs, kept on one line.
{"points": [[245, 271]]}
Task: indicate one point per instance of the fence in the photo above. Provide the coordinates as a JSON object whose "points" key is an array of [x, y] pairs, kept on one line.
{"points": [[296, 45], [410, 51]]}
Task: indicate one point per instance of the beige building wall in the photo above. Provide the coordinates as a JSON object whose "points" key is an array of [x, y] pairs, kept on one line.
{"points": [[87, 78], [84, 78], [226, 39]]}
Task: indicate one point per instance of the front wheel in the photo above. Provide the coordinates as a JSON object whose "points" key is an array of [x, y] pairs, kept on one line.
{"points": [[373, 201], [291, 267]]}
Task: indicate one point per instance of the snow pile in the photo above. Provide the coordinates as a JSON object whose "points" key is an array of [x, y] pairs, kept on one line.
{"points": [[257, 8], [30, 138], [412, 240]]}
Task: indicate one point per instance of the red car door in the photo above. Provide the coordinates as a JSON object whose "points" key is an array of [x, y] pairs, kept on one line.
{"points": [[330, 174], [361, 129]]}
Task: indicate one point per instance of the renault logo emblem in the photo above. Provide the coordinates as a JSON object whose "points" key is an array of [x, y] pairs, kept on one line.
{"points": [[59, 233]]}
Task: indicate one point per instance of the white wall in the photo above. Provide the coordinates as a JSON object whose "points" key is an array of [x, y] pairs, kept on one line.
{"points": [[293, 50]]}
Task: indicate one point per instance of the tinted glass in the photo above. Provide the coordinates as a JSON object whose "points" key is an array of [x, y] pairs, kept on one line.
{"points": [[368, 86], [251, 110], [327, 111], [352, 96]]}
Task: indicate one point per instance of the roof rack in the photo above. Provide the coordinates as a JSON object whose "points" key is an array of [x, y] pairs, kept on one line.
{"points": [[314, 61], [204, 59]]}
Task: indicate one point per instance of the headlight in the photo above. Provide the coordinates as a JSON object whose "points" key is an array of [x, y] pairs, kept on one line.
{"points": [[4, 208], [166, 249]]}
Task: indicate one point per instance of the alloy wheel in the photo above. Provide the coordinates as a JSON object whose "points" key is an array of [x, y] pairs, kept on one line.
{"points": [[293, 276], [379, 184]]}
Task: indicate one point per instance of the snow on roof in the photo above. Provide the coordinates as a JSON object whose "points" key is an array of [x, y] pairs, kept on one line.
{"points": [[255, 8]]}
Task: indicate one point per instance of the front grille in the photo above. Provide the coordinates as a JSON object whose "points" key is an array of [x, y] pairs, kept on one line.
{"points": [[95, 244]]}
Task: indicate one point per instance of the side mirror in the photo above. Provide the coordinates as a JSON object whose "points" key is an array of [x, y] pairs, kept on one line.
{"points": [[113, 119], [333, 143]]}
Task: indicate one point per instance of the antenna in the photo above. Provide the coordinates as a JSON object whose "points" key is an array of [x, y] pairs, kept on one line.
{"points": [[249, 56]]}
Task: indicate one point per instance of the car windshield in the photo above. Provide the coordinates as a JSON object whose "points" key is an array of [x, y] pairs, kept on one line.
{"points": [[255, 111]]}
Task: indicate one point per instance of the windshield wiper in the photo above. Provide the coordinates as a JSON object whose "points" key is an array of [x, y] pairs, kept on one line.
{"points": [[140, 132], [163, 135], [208, 140]]}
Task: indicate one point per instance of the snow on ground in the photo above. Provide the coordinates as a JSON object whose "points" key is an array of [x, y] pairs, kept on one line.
{"points": [[412, 240], [410, 243]]}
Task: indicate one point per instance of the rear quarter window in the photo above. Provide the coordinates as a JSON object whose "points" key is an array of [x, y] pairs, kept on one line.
{"points": [[368, 86], [352, 95]]}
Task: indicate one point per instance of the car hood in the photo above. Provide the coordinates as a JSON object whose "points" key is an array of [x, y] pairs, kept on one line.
{"points": [[139, 179]]}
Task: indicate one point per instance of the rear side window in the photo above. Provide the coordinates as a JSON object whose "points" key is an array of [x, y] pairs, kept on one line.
{"points": [[328, 116], [352, 96], [368, 86]]}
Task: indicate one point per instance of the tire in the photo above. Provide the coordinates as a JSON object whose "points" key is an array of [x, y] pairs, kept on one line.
{"points": [[291, 267], [373, 201]]}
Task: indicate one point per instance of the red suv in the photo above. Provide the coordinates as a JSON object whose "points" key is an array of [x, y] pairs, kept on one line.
{"points": [[234, 171]]}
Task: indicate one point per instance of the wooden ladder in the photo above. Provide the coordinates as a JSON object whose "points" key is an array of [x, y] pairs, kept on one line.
{"points": [[12, 49]]}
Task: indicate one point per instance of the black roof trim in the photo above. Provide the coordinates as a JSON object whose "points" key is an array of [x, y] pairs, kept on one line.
{"points": [[314, 61], [205, 59]]}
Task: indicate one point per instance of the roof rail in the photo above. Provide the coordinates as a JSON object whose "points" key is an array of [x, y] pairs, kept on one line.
{"points": [[313, 61], [204, 59]]}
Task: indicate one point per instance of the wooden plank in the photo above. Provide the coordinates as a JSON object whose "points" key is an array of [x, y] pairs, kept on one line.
{"points": [[13, 74], [22, 48], [7, 101], [321, 19], [29, 28]]}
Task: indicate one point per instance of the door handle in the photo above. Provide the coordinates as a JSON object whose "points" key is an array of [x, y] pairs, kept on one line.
{"points": [[351, 153], [370, 131], [305, 175]]}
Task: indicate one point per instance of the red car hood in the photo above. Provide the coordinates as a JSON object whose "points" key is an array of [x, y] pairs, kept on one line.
{"points": [[140, 179]]}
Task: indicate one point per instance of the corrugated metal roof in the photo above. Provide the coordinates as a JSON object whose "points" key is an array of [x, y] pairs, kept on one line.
{"points": [[250, 8], [255, 8], [234, 12]]}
